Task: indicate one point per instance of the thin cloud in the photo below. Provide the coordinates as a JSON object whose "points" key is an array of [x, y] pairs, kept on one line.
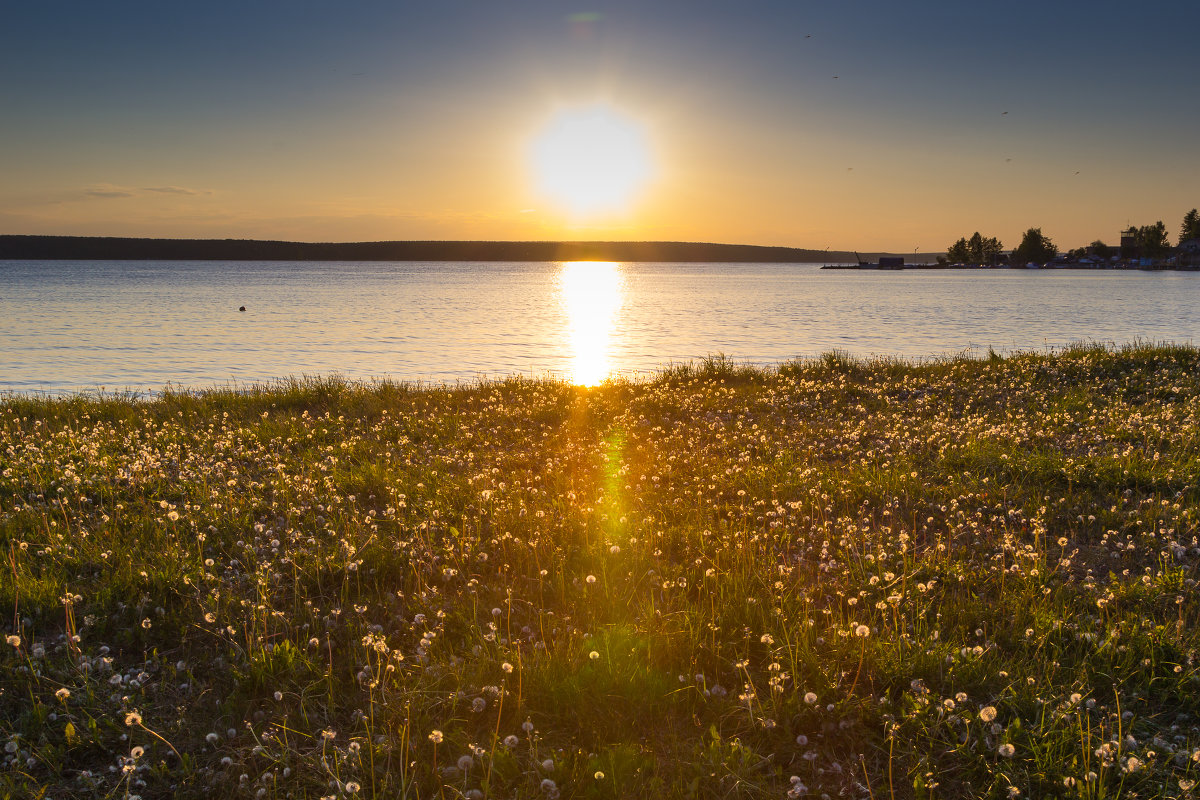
{"points": [[109, 193], [176, 190]]}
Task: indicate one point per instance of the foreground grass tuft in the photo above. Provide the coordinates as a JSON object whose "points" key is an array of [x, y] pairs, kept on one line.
{"points": [[841, 577]]}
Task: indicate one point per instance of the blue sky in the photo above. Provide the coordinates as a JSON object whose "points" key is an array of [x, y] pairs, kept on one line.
{"points": [[868, 124]]}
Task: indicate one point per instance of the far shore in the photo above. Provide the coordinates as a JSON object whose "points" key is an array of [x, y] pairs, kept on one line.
{"points": [[96, 248]]}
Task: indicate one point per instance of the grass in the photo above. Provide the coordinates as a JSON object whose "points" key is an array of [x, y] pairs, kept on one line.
{"points": [[840, 577]]}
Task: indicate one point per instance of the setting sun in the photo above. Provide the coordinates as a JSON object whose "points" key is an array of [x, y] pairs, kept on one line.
{"points": [[590, 159]]}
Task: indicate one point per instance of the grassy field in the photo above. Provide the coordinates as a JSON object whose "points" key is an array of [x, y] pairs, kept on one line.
{"points": [[836, 578]]}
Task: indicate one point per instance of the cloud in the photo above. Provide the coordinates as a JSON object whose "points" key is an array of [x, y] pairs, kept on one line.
{"points": [[113, 192], [176, 190], [108, 191]]}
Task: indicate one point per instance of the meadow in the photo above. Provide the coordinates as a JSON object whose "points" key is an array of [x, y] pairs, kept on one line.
{"points": [[835, 578]]}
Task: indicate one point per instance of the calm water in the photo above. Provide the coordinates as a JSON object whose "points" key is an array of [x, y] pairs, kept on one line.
{"points": [[69, 326]]}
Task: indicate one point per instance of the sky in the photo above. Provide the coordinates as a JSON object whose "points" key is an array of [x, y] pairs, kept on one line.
{"points": [[844, 125]]}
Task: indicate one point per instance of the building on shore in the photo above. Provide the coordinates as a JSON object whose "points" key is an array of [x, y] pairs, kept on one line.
{"points": [[1129, 244], [1188, 253]]}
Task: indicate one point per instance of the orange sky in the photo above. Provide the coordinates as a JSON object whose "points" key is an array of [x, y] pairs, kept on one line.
{"points": [[388, 124]]}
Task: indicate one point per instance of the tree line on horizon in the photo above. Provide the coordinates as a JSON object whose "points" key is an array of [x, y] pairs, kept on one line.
{"points": [[1037, 248]]}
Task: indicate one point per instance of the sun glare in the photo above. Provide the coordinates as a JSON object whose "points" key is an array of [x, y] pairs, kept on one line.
{"points": [[592, 294], [590, 159]]}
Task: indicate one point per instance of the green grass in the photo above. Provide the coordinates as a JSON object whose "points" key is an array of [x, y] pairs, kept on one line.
{"points": [[844, 577]]}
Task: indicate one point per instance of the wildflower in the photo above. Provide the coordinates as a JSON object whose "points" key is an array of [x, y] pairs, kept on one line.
{"points": [[278, 696], [549, 786], [987, 713], [352, 787], [15, 641], [810, 698], [435, 736], [862, 631], [548, 765], [137, 752], [593, 655], [465, 763], [511, 741], [1007, 750], [527, 726], [599, 775], [591, 578], [63, 694], [507, 667], [133, 718], [1133, 764], [802, 740], [212, 738]]}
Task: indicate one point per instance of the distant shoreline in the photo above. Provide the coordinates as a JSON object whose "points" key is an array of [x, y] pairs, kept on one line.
{"points": [[97, 248]]}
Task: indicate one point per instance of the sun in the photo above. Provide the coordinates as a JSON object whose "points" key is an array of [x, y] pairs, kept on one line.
{"points": [[590, 159]]}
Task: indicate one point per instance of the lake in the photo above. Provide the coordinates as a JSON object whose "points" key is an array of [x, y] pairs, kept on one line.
{"points": [[69, 326]]}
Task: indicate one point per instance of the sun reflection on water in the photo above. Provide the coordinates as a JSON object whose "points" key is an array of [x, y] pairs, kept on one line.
{"points": [[592, 294]]}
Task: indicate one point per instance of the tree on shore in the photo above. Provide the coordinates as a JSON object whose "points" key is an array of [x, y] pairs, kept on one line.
{"points": [[1151, 240], [1035, 248], [1100, 249], [976, 250], [1191, 226]]}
